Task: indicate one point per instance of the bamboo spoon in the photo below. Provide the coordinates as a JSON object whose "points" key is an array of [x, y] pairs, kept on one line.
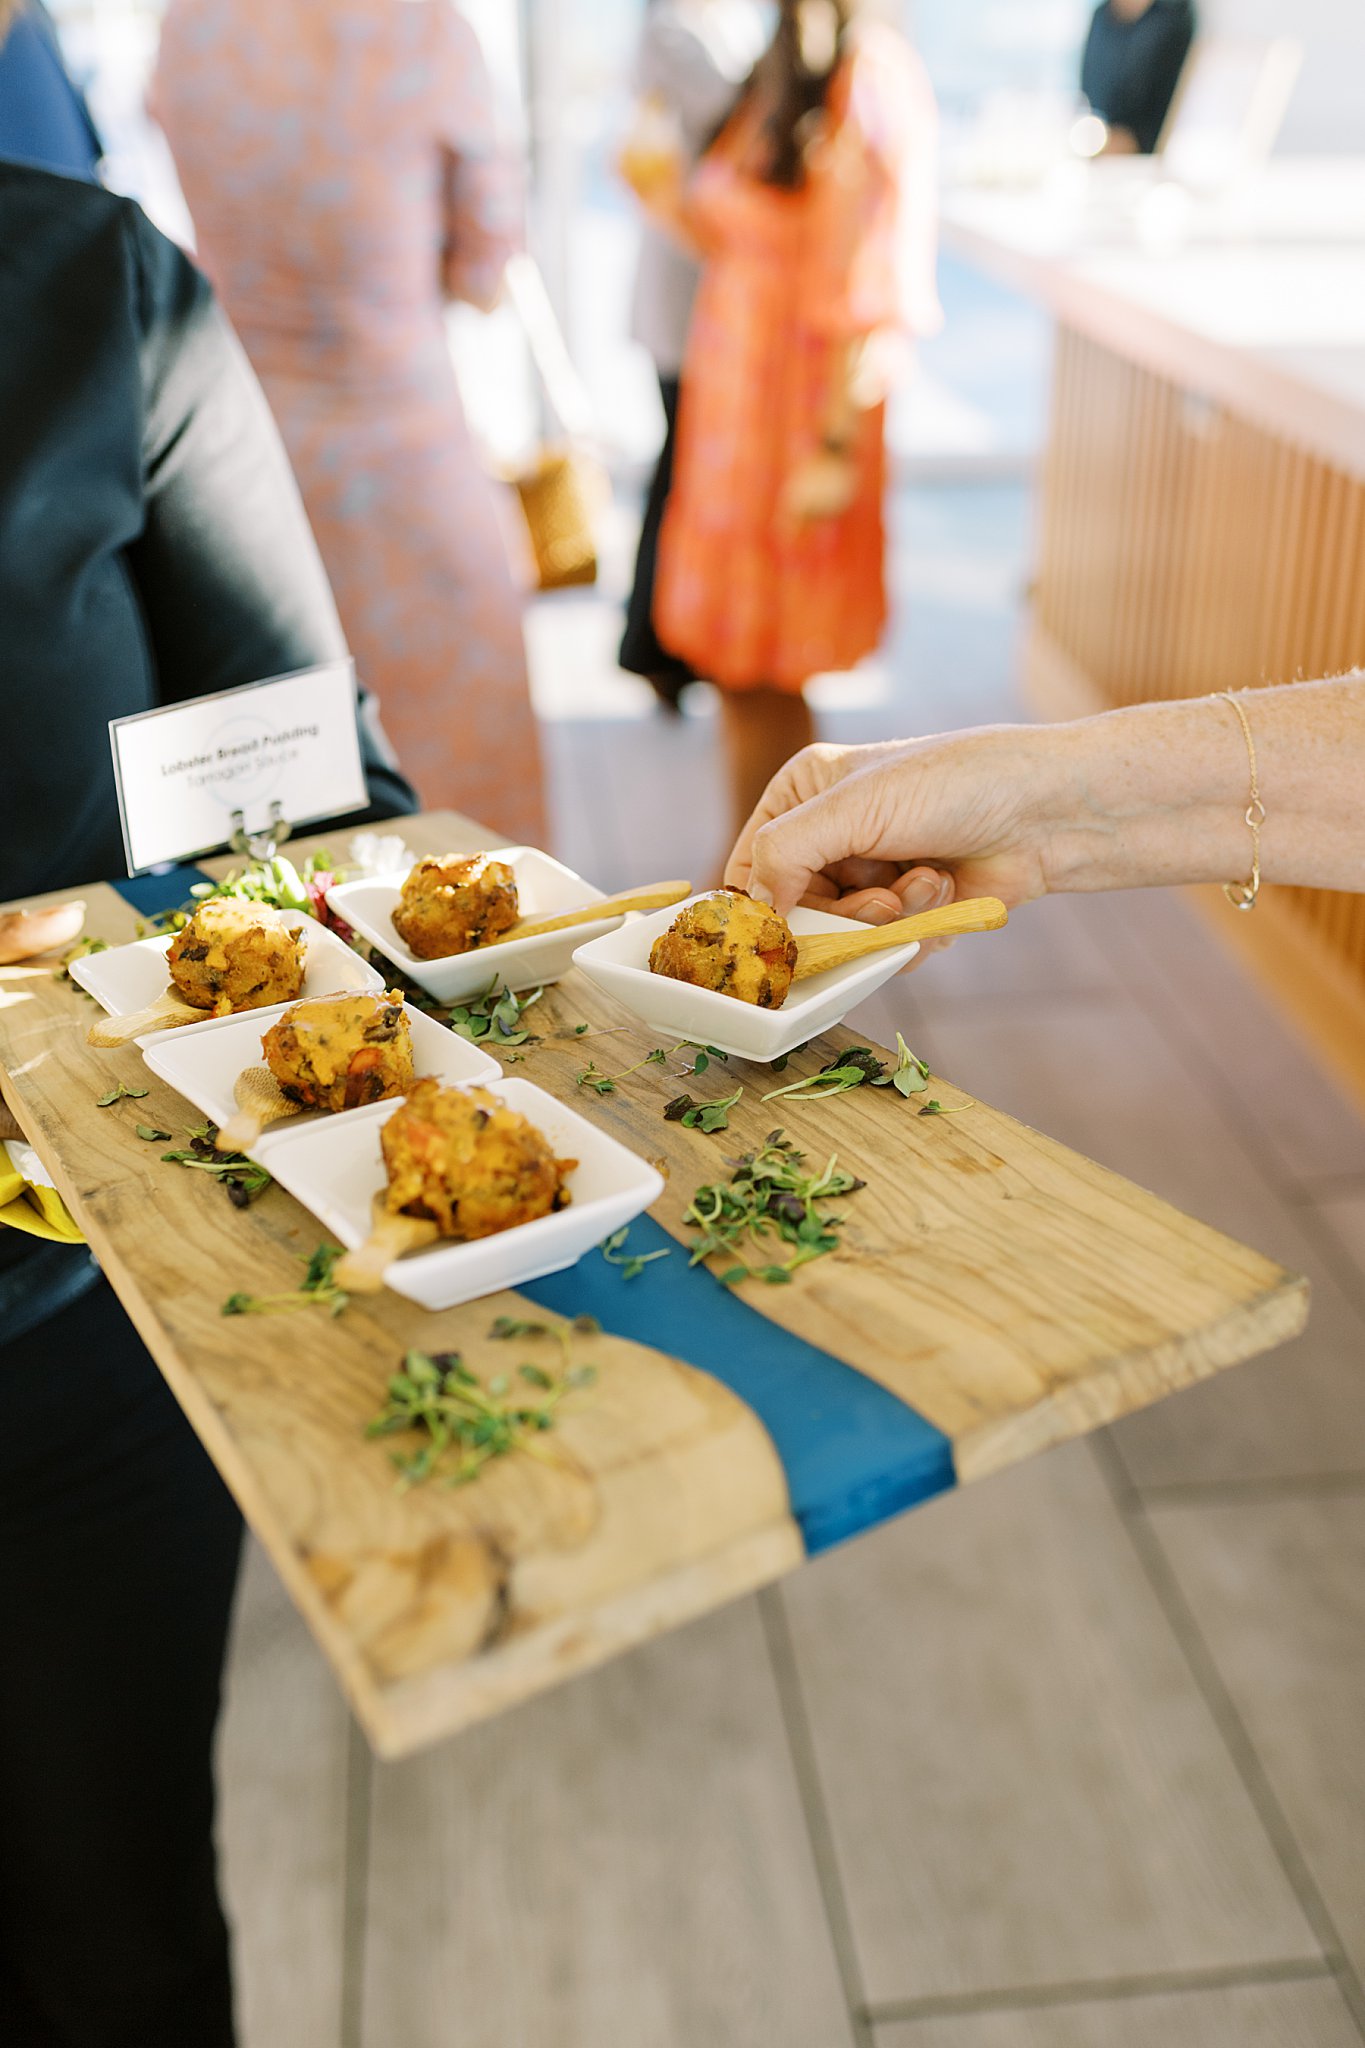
{"points": [[819, 951], [260, 1101], [657, 897], [362, 1271], [163, 1015]]}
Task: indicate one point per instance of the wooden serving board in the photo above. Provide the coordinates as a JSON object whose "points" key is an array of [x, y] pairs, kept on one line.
{"points": [[1008, 1291]]}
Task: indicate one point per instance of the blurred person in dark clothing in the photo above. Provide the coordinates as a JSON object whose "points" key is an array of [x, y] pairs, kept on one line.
{"points": [[43, 119], [153, 547], [693, 60], [1134, 55]]}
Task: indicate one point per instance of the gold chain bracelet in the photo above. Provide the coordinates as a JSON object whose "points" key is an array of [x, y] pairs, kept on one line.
{"points": [[1242, 895]]}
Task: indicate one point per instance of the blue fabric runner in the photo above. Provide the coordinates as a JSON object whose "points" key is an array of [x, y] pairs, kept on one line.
{"points": [[150, 895], [854, 1455]]}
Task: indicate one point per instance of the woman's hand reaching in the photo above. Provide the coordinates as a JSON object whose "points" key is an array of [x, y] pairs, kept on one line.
{"points": [[1147, 797], [882, 831]]}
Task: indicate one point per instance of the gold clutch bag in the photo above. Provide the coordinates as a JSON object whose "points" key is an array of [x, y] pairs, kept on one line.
{"points": [[564, 490], [561, 496]]}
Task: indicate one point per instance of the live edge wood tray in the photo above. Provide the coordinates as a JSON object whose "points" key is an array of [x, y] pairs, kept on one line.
{"points": [[994, 1294]]}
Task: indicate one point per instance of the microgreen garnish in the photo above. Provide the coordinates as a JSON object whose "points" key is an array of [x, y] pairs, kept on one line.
{"points": [[705, 1055], [317, 1289], [121, 1093], [769, 1194], [242, 1177], [81, 949], [495, 1013], [152, 1135], [632, 1264], [835, 1079], [276, 881], [507, 1327], [468, 1423], [702, 1116], [911, 1076], [937, 1109], [605, 1084], [858, 1067]]}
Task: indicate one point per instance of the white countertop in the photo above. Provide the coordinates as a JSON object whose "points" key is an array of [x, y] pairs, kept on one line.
{"points": [[1256, 299]]}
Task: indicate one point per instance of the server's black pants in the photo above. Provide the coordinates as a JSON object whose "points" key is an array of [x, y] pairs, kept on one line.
{"points": [[118, 1554]]}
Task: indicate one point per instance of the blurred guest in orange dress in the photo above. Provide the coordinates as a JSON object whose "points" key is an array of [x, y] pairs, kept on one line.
{"points": [[814, 212], [340, 161]]}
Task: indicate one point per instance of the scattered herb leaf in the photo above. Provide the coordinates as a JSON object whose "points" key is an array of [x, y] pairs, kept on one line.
{"points": [[495, 1014], [911, 1076], [632, 1264], [152, 1135], [705, 1054], [702, 1116], [317, 1289], [937, 1109], [605, 1084], [120, 1093], [81, 949]]}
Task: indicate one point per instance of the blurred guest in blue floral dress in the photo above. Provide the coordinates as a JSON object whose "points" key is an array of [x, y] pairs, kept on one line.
{"points": [[340, 161]]}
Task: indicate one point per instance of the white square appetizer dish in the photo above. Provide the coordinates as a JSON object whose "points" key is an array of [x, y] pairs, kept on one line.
{"points": [[126, 979], [203, 1065], [544, 889], [334, 1166], [619, 964]]}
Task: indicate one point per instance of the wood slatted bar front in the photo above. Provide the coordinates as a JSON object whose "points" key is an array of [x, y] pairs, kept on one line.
{"points": [[1202, 523], [1185, 550]]}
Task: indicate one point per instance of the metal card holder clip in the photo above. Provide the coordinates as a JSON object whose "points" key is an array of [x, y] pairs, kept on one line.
{"points": [[261, 846]]}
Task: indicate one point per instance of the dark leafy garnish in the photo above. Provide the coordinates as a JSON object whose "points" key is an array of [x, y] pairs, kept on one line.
{"points": [[495, 1014], [242, 1177], [769, 1195], [317, 1289], [467, 1423], [632, 1264], [702, 1116]]}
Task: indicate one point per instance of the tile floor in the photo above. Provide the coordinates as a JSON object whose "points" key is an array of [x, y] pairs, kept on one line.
{"points": [[1072, 1760]]}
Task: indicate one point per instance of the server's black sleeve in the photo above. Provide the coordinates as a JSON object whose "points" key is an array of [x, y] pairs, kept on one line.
{"points": [[226, 568]]}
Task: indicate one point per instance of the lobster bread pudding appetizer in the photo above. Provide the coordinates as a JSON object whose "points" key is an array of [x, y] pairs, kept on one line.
{"points": [[339, 1052], [731, 944], [469, 1164], [235, 955], [452, 903]]}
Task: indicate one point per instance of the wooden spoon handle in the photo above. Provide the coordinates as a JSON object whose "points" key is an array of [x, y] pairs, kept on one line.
{"points": [[260, 1101], [656, 898], [162, 1015], [362, 1271], [819, 951]]}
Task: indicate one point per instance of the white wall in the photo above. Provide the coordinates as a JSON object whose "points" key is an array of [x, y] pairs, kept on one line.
{"points": [[1327, 113], [973, 46]]}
